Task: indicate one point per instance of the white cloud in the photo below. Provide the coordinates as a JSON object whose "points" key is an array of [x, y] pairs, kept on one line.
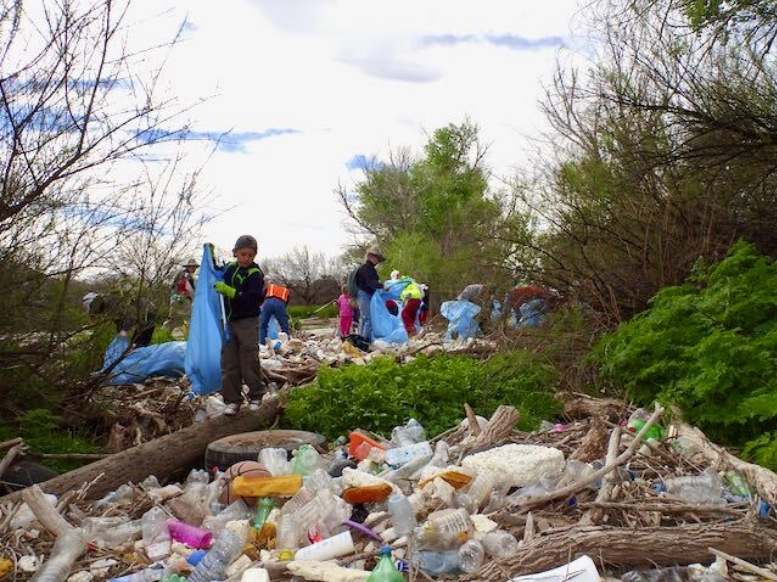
{"points": [[350, 77]]}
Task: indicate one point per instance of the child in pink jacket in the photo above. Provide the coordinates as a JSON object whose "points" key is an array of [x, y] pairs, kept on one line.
{"points": [[346, 312]]}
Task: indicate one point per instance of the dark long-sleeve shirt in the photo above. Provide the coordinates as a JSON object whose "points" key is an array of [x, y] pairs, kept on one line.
{"points": [[248, 283], [367, 278]]}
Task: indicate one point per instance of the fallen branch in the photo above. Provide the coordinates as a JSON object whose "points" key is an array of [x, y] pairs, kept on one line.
{"points": [[628, 547], [596, 514], [17, 451], [752, 568], [45, 513], [8, 444]]}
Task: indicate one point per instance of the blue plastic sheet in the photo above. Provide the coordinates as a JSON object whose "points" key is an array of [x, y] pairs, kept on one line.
{"points": [[158, 360], [533, 313], [206, 331], [116, 348], [385, 326], [461, 319]]}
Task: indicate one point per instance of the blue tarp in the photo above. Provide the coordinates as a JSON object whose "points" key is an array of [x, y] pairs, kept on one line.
{"points": [[533, 313], [157, 360], [116, 348], [461, 319], [206, 331]]}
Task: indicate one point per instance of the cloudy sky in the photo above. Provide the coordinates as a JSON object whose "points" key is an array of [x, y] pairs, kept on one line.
{"points": [[307, 87]]}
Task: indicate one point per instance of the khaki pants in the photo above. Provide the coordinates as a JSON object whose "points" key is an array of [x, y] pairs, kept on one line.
{"points": [[240, 362]]}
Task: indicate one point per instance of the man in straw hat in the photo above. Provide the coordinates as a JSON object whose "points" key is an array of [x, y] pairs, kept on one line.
{"points": [[367, 282]]}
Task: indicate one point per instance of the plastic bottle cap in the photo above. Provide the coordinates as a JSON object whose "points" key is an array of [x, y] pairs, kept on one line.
{"points": [[385, 550], [196, 557]]}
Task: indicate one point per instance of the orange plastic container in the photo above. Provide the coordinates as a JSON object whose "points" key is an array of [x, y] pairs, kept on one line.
{"points": [[369, 494], [266, 486], [357, 438]]}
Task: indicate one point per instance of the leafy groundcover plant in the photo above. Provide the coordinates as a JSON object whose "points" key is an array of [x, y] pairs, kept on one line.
{"points": [[709, 347], [385, 394]]}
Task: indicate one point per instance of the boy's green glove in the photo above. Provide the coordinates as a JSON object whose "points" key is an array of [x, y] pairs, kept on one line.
{"points": [[224, 289]]}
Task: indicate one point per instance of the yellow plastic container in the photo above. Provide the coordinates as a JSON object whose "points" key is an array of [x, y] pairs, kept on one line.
{"points": [[248, 486]]}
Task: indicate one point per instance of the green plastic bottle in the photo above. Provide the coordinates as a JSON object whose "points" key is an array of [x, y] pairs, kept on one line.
{"points": [[264, 505], [385, 571]]}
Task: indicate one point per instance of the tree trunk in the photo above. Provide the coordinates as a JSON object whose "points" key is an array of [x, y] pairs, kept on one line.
{"points": [[160, 457], [624, 547]]}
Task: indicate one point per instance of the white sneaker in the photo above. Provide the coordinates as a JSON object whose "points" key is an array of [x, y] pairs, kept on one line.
{"points": [[230, 410], [254, 404]]}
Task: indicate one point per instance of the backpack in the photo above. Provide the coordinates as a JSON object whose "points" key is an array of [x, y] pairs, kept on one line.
{"points": [[353, 290]]}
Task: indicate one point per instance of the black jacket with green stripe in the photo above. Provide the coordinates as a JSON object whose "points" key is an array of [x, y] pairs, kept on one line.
{"points": [[248, 283]]}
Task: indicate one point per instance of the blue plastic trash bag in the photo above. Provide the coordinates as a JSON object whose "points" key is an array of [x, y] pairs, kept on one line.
{"points": [[116, 348], [385, 326], [533, 313], [141, 363], [394, 288], [461, 319], [206, 330]]}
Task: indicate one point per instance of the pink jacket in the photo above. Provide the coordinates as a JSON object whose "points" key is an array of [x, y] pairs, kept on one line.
{"points": [[344, 303]]}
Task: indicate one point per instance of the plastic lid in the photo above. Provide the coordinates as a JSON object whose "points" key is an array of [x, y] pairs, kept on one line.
{"points": [[195, 557], [385, 550]]}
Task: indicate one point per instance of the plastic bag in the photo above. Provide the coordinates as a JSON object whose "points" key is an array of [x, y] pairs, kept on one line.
{"points": [[158, 360], [461, 319], [533, 313], [115, 350], [384, 325], [206, 331]]}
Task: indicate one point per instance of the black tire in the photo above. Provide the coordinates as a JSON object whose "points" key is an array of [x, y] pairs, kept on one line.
{"points": [[26, 473], [246, 446]]}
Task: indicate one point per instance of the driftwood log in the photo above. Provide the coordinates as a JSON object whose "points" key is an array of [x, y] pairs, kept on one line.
{"points": [[580, 406], [623, 547], [160, 457]]}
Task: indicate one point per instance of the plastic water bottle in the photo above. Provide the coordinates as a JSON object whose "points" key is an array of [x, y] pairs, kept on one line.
{"points": [[307, 460], [500, 543], [147, 575], [225, 550], [480, 489], [471, 556], [385, 571], [450, 520], [275, 461], [264, 505], [402, 514], [439, 562]]}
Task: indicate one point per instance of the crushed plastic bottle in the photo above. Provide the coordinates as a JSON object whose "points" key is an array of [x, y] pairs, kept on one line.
{"points": [[385, 570], [705, 488], [276, 461], [500, 543], [638, 419], [412, 432], [450, 521], [402, 514], [675, 574], [480, 489], [235, 512], [156, 537], [471, 556], [226, 549], [401, 455], [439, 562], [146, 575]]}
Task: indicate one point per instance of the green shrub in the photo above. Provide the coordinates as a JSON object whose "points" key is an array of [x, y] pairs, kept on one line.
{"points": [[41, 430], [305, 311], [709, 346], [385, 394]]}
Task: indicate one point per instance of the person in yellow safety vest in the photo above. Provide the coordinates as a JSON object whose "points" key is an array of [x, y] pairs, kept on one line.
{"points": [[411, 296], [276, 298]]}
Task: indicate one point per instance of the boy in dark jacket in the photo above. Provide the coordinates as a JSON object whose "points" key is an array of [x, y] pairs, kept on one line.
{"points": [[242, 290]]}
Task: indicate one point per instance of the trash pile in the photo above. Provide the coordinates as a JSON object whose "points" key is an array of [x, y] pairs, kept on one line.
{"points": [[296, 361], [480, 501]]}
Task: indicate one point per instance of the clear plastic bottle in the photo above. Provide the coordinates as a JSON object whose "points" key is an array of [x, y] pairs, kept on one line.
{"points": [[286, 537], [227, 547], [264, 505], [146, 575], [412, 432], [500, 543], [480, 489], [234, 512], [153, 522], [385, 570], [705, 488], [276, 461], [450, 521], [471, 556], [402, 514], [327, 549], [439, 562]]}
